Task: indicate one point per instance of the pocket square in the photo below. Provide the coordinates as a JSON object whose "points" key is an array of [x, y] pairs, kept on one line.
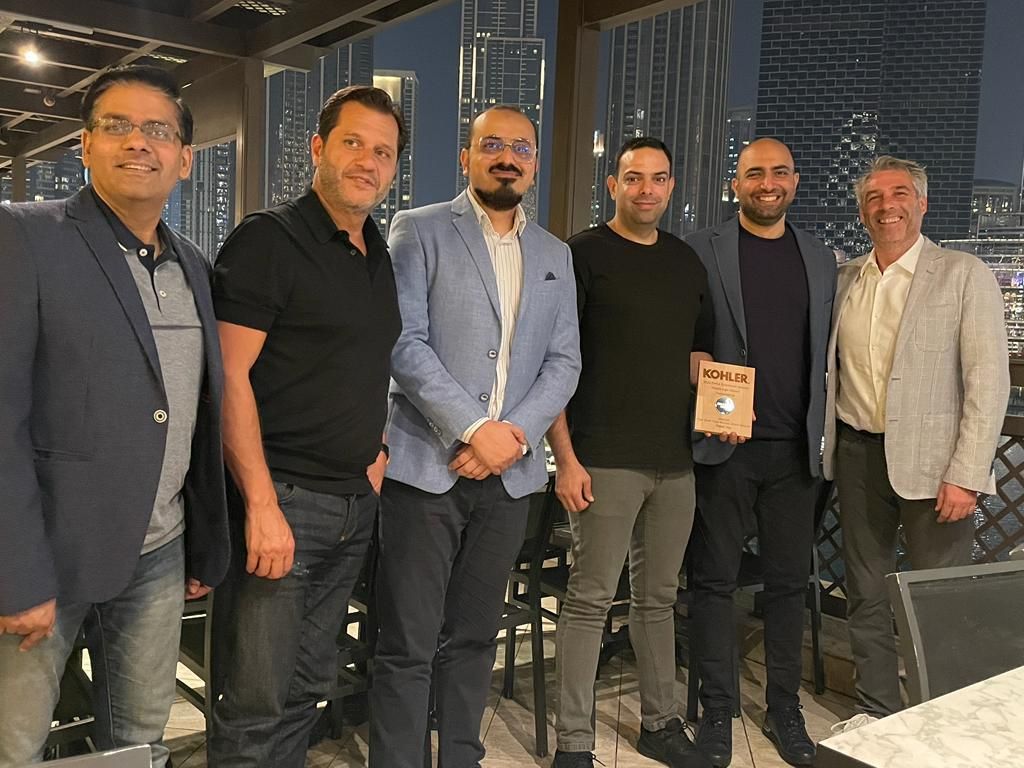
{"points": [[550, 276]]}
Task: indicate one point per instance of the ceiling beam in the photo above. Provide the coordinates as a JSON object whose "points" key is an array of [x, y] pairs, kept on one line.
{"points": [[128, 21], [304, 23], [14, 98], [51, 155], [57, 52], [204, 10], [605, 14], [57, 78], [47, 138]]}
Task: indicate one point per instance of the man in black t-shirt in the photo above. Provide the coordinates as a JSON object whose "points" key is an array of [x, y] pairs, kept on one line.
{"points": [[308, 314], [771, 288], [622, 446]]}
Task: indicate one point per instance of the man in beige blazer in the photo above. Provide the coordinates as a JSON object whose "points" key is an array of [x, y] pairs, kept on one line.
{"points": [[916, 393]]}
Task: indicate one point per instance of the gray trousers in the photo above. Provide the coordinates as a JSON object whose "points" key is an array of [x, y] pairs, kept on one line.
{"points": [[647, 515], [871, 513]]}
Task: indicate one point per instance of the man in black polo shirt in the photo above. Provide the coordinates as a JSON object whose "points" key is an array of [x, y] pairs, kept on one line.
{"points": [[771, 287], [626, 474], [308, 313]]}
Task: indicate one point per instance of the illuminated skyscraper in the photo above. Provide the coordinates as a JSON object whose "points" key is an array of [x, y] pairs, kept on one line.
{"points": [[294, 100], [843, 82], [668, 80], [403, 87], [501, 62]]}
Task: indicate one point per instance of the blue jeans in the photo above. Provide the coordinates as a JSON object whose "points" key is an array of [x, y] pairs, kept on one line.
{"points": [[133, 647], [275, 641]]}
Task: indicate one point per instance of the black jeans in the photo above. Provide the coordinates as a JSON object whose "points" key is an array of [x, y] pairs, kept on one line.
{"points": [[765, 487], [275, 641], [443, 570]]}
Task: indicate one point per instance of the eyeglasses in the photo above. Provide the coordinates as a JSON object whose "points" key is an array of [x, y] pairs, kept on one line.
{"points": [[120, 126], [521, 148]]}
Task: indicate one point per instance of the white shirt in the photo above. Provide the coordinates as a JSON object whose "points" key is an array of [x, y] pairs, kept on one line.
{"points": [[507, 260], [866, 338]]}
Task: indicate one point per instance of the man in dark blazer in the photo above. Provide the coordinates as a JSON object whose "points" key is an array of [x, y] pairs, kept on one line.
{"points": [[771, 287], [110, 453]]}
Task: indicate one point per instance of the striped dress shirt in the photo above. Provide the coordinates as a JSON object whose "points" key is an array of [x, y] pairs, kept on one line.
{"points": [[507, 260]]}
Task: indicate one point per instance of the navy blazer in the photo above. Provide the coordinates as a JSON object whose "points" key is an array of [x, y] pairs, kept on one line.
{"points": [[719, 251], [80, 449]]}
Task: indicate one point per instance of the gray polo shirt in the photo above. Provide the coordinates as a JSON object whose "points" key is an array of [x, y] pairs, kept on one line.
{"points": [[178, 335]]}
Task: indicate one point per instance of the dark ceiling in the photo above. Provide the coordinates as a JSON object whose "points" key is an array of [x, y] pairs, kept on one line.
{"points": [[51, 50]]}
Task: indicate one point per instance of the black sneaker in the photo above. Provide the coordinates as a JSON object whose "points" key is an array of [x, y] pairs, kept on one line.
{"points": [[787, 732], [573, 759], [714, 737], [671, 746]]}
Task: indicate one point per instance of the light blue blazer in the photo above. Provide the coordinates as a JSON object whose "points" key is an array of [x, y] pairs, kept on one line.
{"points": [[444, 363]]}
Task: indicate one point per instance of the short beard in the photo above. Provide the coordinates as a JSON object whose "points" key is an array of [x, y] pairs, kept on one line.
{"points": [[754, 215], [504, 198]]}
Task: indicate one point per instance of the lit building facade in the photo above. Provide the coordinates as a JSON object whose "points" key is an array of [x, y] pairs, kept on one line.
{"points": [[668, 80], [841, 83], [403, 87], [294, 100], [501, 61]]}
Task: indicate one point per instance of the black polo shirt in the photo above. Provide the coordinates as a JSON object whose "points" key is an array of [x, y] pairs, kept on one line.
{"points": [[331, 318]]}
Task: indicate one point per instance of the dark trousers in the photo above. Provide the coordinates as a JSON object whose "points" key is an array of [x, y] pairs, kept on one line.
{"points": [[764, 487], [275, 640], [871, 513], [442, 574]]}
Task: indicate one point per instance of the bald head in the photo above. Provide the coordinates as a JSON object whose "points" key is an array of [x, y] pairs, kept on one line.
{"points": [[762, 145], [765, 185]]}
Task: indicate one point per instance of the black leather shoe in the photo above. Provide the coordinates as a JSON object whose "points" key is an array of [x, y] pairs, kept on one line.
{"points": [[787, 732], [573, 759], [714, 737], [671, 746]]}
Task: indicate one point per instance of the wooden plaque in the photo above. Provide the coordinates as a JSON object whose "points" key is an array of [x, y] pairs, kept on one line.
{"points": [[725, 399]]}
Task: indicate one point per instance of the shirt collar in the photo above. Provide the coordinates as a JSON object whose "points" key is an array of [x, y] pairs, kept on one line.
{"points": [[907, 262], [127, 239], [485, 221], [323, 227]]}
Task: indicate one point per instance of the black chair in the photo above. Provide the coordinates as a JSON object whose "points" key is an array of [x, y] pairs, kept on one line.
{"points": [[958, 626], [523, 605]]}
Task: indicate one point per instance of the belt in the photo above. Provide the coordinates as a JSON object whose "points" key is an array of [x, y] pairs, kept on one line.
{"points": [[875, 437]]}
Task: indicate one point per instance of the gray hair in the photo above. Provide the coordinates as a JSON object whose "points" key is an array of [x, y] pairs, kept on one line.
{"points": [[890, 163]]}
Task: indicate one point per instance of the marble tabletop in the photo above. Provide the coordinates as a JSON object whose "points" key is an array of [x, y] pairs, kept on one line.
{"points": [[978, 726]]}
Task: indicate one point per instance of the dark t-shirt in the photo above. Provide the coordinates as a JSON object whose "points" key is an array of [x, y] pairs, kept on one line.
{"points": [[331, 317], [643, 308], [775, 303]]}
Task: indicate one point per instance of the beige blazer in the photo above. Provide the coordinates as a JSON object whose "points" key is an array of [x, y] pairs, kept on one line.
{"points": [[950, 380]]}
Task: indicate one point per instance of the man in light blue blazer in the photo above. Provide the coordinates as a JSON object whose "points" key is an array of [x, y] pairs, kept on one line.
{"points": [[488, 357]]}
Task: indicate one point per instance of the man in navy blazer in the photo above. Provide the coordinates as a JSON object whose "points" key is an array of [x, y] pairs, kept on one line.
{"points": [[110, 454], [488, 356], [771, 287]]}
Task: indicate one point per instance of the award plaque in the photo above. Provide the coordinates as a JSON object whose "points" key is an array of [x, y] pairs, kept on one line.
{"points": [[725, 399]]}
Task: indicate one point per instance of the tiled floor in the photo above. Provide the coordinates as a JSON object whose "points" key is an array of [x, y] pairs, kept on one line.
{"points": [[508, 729]]}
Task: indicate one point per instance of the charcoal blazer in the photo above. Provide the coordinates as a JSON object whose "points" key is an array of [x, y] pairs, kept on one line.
{"points": [[719, 251], [950, 381], [81, 448], [444, 363]]}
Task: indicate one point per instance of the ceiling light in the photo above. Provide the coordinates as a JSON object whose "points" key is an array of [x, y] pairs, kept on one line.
{"points": [[30, 54]]}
